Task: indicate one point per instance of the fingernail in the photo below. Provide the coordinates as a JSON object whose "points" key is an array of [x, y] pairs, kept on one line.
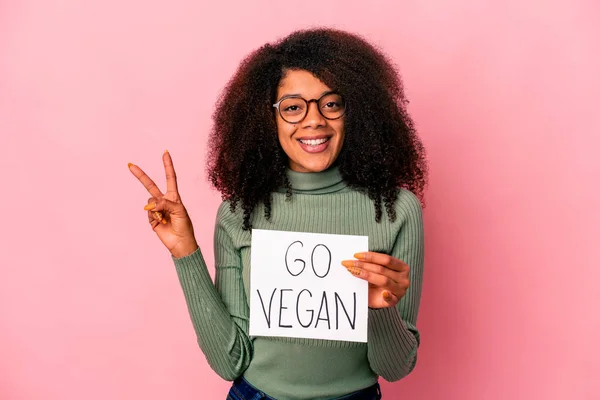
{"points": [[166, 151], [150, 206], [129, 165], [360, 256], [387, 296], [348, 263], [353, 271]]}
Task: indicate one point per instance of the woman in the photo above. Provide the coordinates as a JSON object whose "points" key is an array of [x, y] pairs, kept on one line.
{"points": [[310, 135]]}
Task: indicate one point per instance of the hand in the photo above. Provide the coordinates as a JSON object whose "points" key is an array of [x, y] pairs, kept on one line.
{"points": [[166, 213], [388, 277]]}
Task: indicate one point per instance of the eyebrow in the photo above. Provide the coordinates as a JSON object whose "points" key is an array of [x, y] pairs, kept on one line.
{"points": [[299, 95]]}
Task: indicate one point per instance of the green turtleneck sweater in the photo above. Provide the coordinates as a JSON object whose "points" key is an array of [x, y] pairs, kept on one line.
{"points": [[293, 368]]}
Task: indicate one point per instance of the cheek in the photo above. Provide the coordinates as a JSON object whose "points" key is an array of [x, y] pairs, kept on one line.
{"points": [[341, 134], [339, 128], [285, 130]]}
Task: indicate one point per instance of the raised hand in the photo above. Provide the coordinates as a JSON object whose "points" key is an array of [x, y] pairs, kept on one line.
{"points": [[388, 277], [166, 214]]}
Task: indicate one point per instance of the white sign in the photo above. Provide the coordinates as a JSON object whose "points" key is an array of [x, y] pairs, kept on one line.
{"points": [[299, 287]]}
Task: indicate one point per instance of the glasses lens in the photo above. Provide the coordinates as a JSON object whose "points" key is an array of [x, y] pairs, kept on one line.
{"points": [[292, 109], [332, 106]]}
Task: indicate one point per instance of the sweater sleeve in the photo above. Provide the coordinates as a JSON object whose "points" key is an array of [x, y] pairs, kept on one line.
{"points": [[393, 336], [219, 312]]}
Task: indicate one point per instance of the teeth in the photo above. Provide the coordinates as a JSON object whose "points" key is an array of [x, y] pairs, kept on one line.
{"points": [[314, 142]]}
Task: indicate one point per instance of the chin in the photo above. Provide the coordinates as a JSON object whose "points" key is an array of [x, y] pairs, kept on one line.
{"points": [[314, 166]]}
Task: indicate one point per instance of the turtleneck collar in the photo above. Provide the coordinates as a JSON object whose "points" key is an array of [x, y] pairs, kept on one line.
{"points": [[328, 181]]}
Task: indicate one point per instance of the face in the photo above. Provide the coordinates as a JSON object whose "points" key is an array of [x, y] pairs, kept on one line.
{"points": [[313, 144]]}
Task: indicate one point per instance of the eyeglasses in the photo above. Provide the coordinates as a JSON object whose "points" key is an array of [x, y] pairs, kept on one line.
{"points": [[293, 109]]}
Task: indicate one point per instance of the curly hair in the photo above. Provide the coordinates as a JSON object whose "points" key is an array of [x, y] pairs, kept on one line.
{"points": [[381, 153]]}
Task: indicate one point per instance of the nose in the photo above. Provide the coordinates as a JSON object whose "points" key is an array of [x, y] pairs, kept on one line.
{"points": [[313, 118]]}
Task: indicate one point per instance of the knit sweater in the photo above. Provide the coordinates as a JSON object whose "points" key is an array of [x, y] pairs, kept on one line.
{"points": [[296, 368]]}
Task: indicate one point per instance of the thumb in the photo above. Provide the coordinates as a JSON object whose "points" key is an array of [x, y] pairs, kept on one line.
{"points": [[163, 204], [389, 297]]}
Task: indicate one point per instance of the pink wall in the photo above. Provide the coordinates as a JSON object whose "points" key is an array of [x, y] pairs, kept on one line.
{"points": [[506, 100]]}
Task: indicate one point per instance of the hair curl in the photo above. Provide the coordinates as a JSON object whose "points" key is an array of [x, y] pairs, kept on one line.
{"points": [[381, 151]]}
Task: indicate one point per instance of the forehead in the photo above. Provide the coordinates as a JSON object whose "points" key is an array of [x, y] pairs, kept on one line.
{"points": [[301, 82]]}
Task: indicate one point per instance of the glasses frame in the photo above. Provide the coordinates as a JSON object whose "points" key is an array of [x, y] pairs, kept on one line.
{"points": [[276, 105]]}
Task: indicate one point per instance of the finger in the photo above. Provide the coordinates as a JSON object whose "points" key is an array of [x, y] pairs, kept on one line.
{"points": [[163, 205], [375, 279], [152, 203], [170, 172], [389, 297], [159, 217], [153, 221], [396, 276], [382, 259], [146, 181], [156, 216]]}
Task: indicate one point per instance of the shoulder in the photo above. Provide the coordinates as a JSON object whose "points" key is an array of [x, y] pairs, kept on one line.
{"points": [[228, 218], [405, 200], [408, 199], [408, 206], [224, 209]]}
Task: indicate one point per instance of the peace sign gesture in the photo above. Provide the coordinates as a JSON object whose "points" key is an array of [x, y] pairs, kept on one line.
{"points": [[166, 214]]}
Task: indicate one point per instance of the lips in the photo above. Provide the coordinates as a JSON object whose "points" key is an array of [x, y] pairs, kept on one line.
{"points": [[315, 144]]}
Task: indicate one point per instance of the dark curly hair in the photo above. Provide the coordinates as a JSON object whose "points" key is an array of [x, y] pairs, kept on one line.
{"points": [[381, 151]]}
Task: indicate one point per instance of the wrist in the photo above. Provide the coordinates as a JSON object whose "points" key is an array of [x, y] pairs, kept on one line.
{"points": [[184, 249]]}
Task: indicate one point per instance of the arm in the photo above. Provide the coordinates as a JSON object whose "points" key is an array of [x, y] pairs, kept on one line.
{"points": [[219, 312], [393, 336]]}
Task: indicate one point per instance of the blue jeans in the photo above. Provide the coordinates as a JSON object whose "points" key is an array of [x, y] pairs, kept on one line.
{"points": [[243, 390]]}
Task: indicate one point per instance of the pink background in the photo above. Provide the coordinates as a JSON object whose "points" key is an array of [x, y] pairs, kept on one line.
{"points": [[505, 96]]}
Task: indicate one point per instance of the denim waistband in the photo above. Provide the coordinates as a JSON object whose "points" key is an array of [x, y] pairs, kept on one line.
{"points": [[243, 390]]}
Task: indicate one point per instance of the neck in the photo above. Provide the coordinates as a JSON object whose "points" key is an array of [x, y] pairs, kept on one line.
{"points": [[327, 181]]}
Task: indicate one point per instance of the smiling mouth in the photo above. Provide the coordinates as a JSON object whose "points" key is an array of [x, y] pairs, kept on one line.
{"points": [[313, 142]]}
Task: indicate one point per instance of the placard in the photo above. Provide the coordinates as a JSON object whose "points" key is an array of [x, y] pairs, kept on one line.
{"points": [[299, 288]]}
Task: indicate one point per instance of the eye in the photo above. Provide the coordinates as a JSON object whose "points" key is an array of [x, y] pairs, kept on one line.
{"points": [[292, 106], [331, 103], [332, 106]]}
